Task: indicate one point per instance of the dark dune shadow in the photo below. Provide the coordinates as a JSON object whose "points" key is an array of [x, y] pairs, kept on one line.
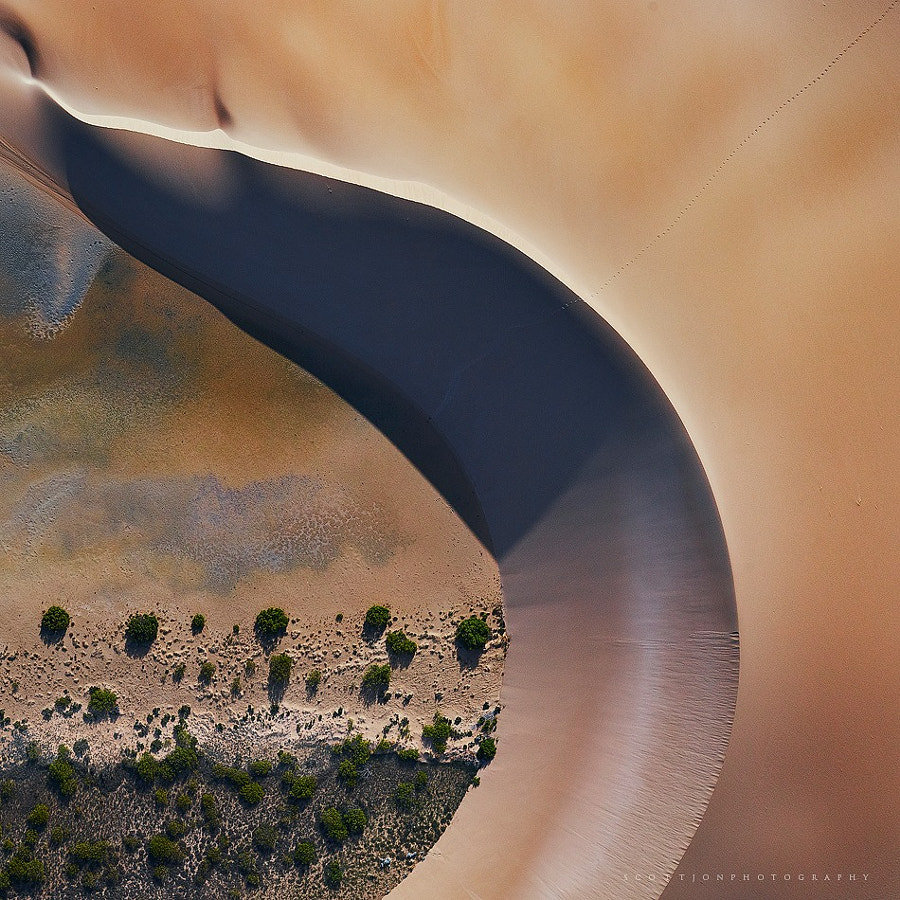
{"points": [[538, 425]]}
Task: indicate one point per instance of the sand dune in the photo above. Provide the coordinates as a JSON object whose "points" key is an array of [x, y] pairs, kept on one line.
{"points": [[721, 186]]}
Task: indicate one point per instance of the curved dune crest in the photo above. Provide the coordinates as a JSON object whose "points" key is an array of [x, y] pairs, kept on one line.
{"points": [[763, 309]]}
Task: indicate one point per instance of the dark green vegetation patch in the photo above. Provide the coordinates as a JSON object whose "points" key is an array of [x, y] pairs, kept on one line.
{"points": [[180, 825]]}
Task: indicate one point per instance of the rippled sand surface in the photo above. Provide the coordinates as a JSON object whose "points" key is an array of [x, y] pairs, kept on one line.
{"points": [[721, 185]]}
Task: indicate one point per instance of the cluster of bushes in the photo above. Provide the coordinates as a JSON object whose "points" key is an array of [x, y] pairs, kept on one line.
{"points": [[250, 791], [356, 752], [438, 733], [338, 826]]}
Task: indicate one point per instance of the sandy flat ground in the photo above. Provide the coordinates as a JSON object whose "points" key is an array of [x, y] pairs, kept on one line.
{"points": [[741, 165], [158, 459]]}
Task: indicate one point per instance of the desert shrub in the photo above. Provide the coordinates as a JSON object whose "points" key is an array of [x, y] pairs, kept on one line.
{"points": [[302, 788], [313, 679], [265, 837], [280, 668], [251, 793], [90, 853], [355, 820], [333, 825], [259, 768], [102, 701], [55, 620], [175, 829], [487, 749], [348, 773], [23, 868], [161, 849], [473, 633], [438, 732], [142, 628], [421, 780], [181, 760], [183, 802], [405, 795], [408, 754], [397, 642], [305, 853], [333, 873], [39, 816], [130, 843], [198, 623], [209, 810], [207, 670], [61, 775], [377, 678], [146, 768], [271, 622], [58, 835], [378, 617], [161, 796], [357, 749]]}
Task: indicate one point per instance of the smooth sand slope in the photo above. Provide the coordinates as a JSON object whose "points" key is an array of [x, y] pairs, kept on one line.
{"points": [[721, 185]]}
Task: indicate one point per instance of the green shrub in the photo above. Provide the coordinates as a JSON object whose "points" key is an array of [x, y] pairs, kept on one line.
{"points": [[142, 628], [207, 670], [280, 668], [265, 837], [473, 633], [55, 620], [210, 811], [408, 754], [357, 749], [302, 788], [146, 768], [355, 820], [438, 733], [183, 802], [405, 795], [162, 850], [90, 853], [378, 618], [421, 780], [198, 623], [58, 835], [333, 825], [175, 829], [39, 816], [24, 869], [487, 749], [259, 768], [251, 793], [397, 642], [377, 678], [313, 679], [333, 873], [102, 701], [348, 773], [305, 853], [161, 796], [271, 622], [62, 776]]}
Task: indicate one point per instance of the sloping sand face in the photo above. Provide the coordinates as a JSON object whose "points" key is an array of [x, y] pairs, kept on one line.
{"points": [[722, 187]]}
